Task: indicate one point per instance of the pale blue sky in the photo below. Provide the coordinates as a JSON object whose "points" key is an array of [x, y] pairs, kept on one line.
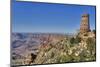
{"points": [[46, 17]]}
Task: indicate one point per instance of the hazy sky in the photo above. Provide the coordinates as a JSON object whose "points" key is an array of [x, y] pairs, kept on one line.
{"points": [[44, 17]]}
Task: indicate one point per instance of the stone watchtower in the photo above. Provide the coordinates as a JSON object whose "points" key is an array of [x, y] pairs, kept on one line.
{"points": [[85, 26]]}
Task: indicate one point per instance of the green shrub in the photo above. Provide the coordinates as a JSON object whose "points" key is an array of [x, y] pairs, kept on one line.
{"points": [[65, 58], [75, 40], [72, 40], [78, 39]]}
